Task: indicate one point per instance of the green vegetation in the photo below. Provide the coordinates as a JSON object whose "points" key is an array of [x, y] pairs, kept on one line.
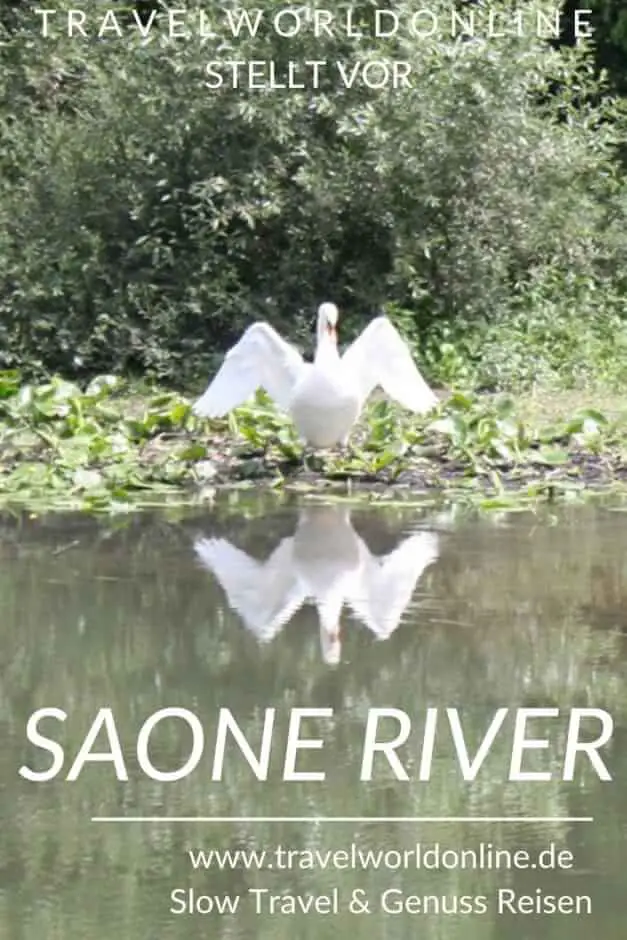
{"points": [[109, 447], [146, 219], [610, 20]]}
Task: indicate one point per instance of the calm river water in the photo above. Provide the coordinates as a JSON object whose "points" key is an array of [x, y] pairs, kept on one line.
{"points": [[252, 606]]}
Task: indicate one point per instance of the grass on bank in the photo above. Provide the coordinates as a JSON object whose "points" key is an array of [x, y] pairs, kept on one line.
{"points": [[110, 446]]}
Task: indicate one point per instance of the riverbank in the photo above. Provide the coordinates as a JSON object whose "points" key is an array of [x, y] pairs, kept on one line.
{"points": [[111, 446]]}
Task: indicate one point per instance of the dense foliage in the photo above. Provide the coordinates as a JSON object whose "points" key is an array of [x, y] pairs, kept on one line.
{"points": [[610, 38], [110, 447], [145, 218]]}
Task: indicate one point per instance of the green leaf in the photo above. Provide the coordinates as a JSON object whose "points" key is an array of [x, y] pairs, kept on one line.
{"points": [[550, 457], [193, 452]]}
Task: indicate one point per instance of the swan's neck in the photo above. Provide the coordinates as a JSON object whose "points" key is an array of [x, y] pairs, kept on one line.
{"points": [[329, 604], [326, 350]]}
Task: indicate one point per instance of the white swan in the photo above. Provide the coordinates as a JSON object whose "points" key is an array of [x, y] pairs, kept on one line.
{"points": [[324, 562], [325, 397]]}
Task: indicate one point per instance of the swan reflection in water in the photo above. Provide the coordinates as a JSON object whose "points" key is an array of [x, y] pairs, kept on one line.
{"points": [[326, 563]]}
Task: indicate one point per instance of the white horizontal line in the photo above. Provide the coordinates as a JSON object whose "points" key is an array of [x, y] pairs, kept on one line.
{"points": [[341, 819]]}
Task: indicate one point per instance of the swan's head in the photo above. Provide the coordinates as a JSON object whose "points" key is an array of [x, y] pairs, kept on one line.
{"points": [[327, 320]]}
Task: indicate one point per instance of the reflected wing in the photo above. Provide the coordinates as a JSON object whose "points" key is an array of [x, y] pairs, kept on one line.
{"points": [[380, 356], [386, 585], [261, 359], [266, 595]]}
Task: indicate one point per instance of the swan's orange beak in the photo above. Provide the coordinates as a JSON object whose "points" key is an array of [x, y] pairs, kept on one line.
{"points": [[331, 330]]}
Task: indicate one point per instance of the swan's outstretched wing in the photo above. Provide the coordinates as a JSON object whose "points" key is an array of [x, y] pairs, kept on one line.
{"points": [[261, 359], [266, 595], [386, 585], [380, 356]]}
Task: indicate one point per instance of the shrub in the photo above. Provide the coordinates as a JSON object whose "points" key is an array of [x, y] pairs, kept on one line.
{"points": [[146, 219]]}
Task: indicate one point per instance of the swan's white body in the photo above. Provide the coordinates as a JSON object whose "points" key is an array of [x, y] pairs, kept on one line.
{"points": [[324, 562], [325, 397]]}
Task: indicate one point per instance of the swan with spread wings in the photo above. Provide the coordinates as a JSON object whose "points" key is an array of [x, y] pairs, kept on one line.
{"points": [[326, 563], [325, 397]]}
